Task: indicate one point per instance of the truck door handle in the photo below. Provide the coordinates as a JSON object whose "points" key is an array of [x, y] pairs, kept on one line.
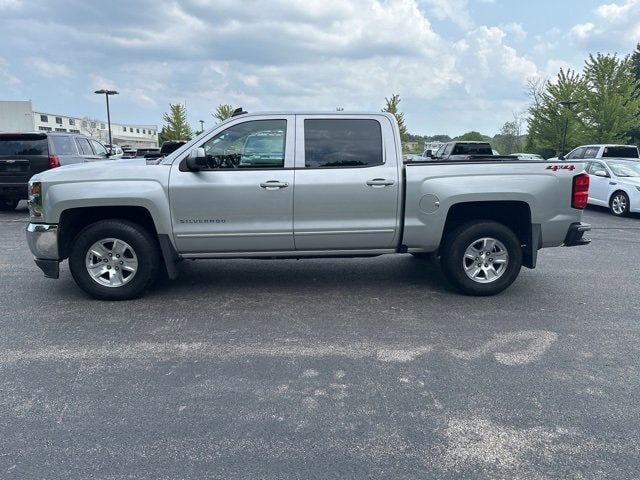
{"points": [[379, 182], [274, 185]]}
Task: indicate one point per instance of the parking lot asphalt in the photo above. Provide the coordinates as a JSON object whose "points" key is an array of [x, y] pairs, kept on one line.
{"points": [[350, 368]]}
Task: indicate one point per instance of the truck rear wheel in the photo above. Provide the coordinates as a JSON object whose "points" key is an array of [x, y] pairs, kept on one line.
{"points": [[114, 260], [481, 258]]}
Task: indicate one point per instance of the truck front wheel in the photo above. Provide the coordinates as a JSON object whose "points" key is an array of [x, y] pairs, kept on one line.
{"points": [[114, 260], [481, 258]]}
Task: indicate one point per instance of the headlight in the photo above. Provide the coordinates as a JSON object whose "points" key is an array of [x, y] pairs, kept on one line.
{"points": [[35, 199]]}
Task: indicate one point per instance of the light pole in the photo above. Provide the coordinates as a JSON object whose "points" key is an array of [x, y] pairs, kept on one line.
{"points": [[566, 104], [201, 126], [106, 94]]}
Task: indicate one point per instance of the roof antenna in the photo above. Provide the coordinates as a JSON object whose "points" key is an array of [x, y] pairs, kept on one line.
{"points": [[238, 111]]}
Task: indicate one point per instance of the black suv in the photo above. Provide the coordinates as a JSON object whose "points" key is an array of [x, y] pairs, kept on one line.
{"points": [[23, 154]]}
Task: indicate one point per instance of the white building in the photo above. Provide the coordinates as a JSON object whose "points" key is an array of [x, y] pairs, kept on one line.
{"points": [[19, 116]]}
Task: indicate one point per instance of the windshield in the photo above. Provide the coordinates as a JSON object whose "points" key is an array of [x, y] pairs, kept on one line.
{"points": [[625, 169]]}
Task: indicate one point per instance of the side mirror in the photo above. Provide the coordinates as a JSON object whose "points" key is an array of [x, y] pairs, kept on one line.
{"points": [[560, 157], [197, 159], [600, 173]]}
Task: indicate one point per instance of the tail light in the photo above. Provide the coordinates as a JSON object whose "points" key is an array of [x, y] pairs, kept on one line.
{"points": [[53, 161], [580, 192]]}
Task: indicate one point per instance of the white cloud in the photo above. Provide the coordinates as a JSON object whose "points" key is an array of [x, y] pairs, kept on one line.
{"points": [[616, 28], [582, 32], [6, 77], [515, 30], [48, 69], [454, 10], [483, 56]]}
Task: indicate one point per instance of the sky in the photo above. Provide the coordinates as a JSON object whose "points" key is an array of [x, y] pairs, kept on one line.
{"points": [[457, 65]]}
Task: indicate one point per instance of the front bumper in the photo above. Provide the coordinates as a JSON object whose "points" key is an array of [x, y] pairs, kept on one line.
{"points": [[575, 235], [43, 243]]}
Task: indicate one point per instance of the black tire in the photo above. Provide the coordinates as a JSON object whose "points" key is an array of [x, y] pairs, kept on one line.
{"points": [[130, 255], [8, 204], [619, 204], [492, 270]]}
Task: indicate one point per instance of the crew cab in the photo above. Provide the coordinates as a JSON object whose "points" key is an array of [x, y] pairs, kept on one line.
{"points": [[301, 185]]}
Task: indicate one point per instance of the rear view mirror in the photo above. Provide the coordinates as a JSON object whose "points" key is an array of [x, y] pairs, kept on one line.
{"points": [[197, 159]]}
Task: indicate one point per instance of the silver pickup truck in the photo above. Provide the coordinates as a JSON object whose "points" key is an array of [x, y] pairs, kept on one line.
{"points": [[300, 185]]}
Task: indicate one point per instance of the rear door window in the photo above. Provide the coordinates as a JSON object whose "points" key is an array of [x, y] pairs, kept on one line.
{"points": [[591, 152], [339, 143], [63, 145], [448, 148], [85, 146], [23, 145], [577, 153]]}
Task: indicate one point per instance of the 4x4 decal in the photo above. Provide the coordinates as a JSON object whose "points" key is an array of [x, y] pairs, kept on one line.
{"points": [[555, 168]]}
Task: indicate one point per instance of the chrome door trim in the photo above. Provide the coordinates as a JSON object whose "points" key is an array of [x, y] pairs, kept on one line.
{"points": [[343, 232], [228, 235], [290, 254]]}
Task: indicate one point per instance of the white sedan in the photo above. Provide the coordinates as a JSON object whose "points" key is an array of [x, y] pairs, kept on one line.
{"points": [[615, 183]]}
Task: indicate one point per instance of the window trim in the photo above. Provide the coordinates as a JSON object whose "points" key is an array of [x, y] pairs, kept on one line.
{"points": [[289, 146], [301, 144]]}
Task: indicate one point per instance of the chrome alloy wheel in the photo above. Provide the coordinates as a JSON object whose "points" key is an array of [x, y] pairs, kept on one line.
{"points": [[485, 260], [619, 204], [111, 262]]}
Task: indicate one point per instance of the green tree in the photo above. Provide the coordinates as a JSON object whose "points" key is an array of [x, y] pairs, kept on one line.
{"points": [[471, 136], [634, 133], [176, 126], [635, 62], [509, 140], [223, 111], [611, 103], [439, 138], [547, 116], [392, 108]]}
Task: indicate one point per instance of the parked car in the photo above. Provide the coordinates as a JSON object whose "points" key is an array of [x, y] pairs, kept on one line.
{"points": [[467, 150], [23, 154], [243, 190], [148, 152], [600, 151], [171, 146], [128, 151], [527, 156], [114, 150], [422, 157], [615, 183]]}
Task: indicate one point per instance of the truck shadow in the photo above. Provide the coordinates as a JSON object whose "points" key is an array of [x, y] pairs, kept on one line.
{"points": [[307, 276]]}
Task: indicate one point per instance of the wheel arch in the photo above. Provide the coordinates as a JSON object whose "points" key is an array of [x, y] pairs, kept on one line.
{"points": [[516, 215], [73, 220]]}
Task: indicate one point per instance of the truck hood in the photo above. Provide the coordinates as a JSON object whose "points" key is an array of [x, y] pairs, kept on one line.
{"points": [[109, 170]]}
